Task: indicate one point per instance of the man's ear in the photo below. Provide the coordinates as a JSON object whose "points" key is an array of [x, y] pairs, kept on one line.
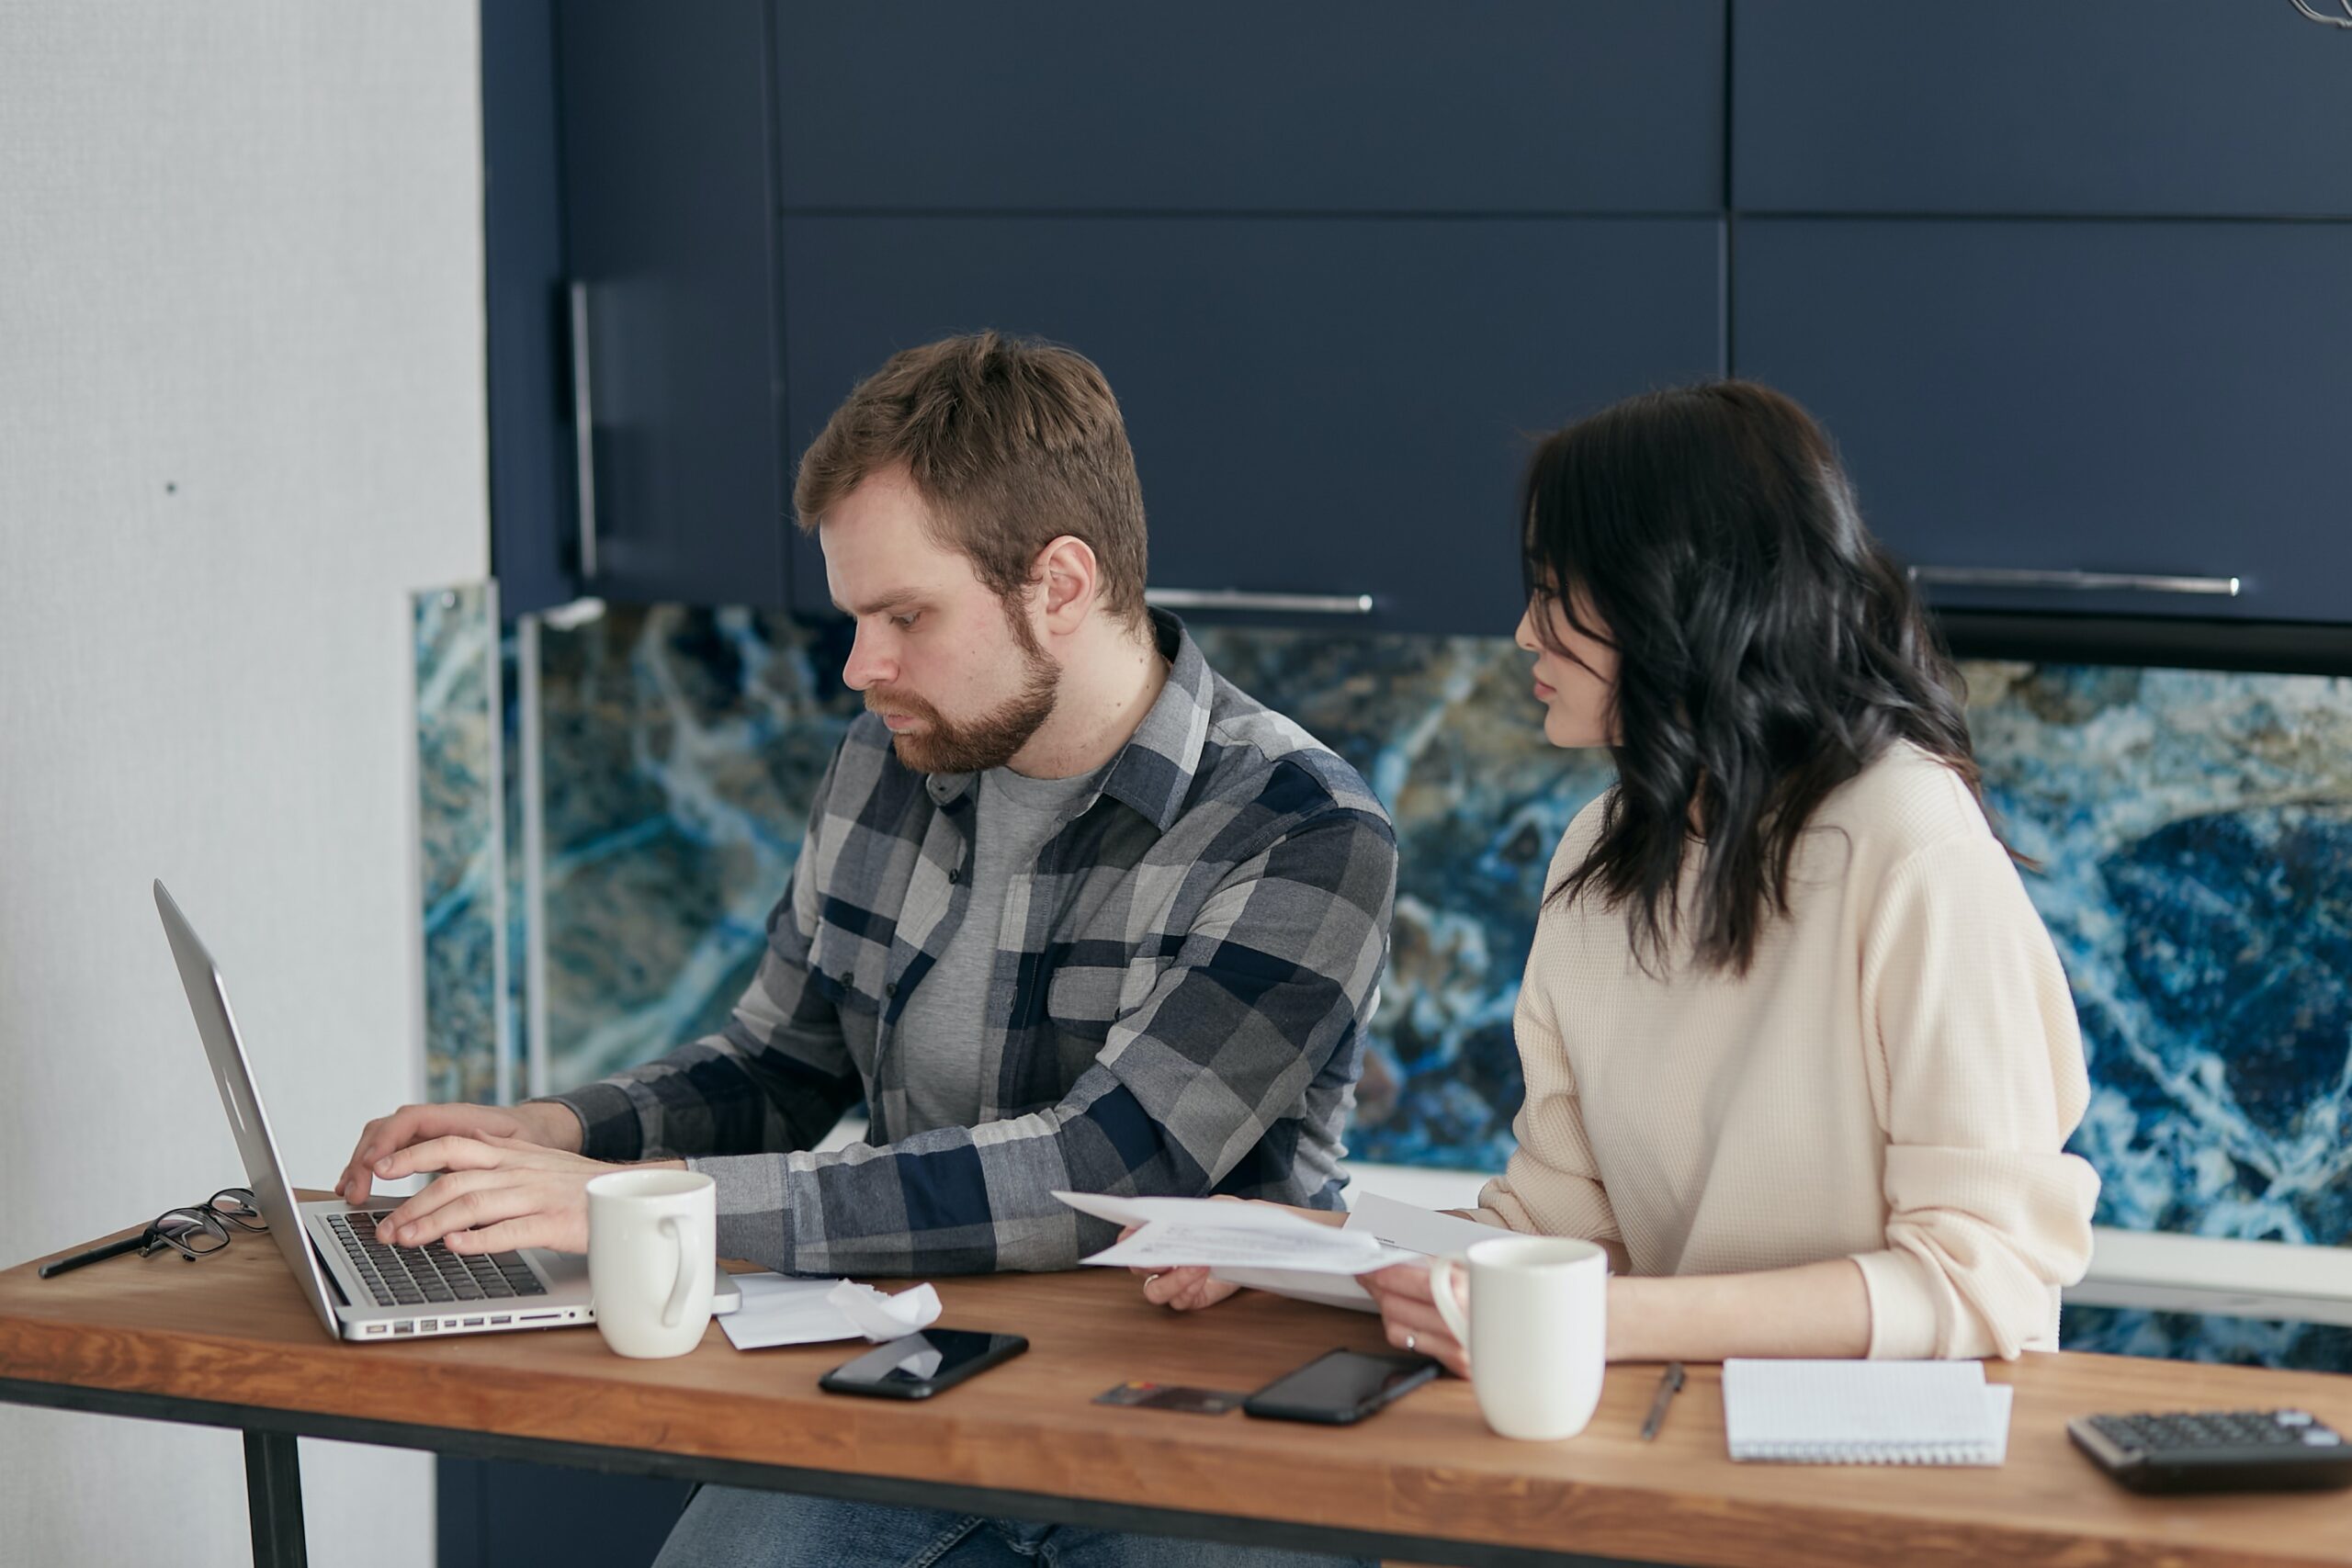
{"points": [[1067, 576]]}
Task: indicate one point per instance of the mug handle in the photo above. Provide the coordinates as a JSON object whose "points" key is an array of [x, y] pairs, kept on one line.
{"points": [[1441, 1273], [672, 1312]]}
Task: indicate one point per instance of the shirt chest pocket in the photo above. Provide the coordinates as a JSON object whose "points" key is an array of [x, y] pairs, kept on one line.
{"points": [[1083, 1000]]}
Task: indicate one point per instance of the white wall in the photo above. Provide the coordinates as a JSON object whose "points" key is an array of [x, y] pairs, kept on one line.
{"points": [[241, 417]]}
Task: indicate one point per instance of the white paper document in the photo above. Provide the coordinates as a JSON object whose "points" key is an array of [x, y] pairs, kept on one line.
{"points": [[1425, 1231], [1272, 1249], [781, 1311], [1420, 1232], [1206, 1214], [1180, 1230], [1166, 1243]]}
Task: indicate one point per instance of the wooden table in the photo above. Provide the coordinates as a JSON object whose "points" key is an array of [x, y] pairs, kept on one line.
{"points": [[228, 1342]]}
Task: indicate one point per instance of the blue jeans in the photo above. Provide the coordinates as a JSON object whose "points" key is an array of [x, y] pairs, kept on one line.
{"points": [[728, 1528]]}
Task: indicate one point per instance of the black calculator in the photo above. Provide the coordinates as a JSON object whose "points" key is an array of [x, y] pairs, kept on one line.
{"points": [[2216, 1450]]}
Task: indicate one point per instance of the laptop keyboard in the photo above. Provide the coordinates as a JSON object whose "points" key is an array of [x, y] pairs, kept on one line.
{"points": [[411, 1276]]}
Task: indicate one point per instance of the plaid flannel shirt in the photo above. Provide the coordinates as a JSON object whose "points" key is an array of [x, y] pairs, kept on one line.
{"points": [[1178, 1007]]}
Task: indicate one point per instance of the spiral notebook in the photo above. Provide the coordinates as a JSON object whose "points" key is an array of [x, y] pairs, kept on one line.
{"points": [[1865, 1413]]}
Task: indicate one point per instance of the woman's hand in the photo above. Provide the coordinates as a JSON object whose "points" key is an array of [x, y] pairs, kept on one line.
{"points": [[1190, 1289], [1409, 1312]]}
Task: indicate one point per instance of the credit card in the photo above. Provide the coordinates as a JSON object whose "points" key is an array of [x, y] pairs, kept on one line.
{"points": [[1171, 1396]]}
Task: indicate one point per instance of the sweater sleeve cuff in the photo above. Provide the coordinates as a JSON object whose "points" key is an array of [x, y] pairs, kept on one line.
{"points": [[1500, 1206], [754, 1207], [1903, 1306], [609, 1129]]}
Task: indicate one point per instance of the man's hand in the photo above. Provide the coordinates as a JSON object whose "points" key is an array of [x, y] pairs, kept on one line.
{"points": [[1187, 1289], [1190, 1289], [496, 1194], [1409, 1310], [550, 1126]]}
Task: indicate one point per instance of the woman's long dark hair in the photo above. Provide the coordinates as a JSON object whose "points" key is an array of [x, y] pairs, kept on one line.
{"points": [[1768, 649]]}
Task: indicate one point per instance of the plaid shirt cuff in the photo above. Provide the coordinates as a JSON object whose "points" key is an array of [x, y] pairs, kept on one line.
{"points": [[754, 1211], [609, 1128]]}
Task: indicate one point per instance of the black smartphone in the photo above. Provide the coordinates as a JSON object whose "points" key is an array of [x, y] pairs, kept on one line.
{"points": [[921, 1364], [1340, 1386]]}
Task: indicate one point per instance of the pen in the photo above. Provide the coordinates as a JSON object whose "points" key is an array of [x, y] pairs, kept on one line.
{"points": [[1667, 1386], [95, 1255]]}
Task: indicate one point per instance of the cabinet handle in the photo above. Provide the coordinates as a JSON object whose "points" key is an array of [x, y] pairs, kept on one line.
{"points": [[2074, 581], [1242, 599], [584, 431]]}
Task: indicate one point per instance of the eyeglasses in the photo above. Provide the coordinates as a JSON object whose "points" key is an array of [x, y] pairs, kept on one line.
{"points": [[191, 1231], [201, 1228]]}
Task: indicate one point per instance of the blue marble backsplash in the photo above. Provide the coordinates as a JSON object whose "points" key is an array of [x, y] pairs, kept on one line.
{"points": [[2194, 828], [460, 840]]}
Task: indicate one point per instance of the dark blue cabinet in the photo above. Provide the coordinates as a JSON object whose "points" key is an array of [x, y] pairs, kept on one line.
{"points": [[1309, 106], [2228, 107], [669, 209], [1341, 260], [2161, 398], [522, 290], [1319, 405]]}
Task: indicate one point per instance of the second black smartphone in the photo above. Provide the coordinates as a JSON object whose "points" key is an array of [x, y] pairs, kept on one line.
{"points": [[1340, 1386], [921, 1364]]}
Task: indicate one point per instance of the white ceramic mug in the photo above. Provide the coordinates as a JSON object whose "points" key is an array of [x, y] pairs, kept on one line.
{"points": [[653, 1237], [1537, 1331]]}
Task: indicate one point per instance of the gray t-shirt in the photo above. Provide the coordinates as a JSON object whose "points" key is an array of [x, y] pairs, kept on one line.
{"points": [[939, 1034]]}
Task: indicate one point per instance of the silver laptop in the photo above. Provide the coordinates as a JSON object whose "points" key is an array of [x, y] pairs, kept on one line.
{"points": [[361, 1288]]}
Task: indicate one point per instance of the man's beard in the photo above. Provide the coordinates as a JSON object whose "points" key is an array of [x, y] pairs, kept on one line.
{"points": [[979, 744]]}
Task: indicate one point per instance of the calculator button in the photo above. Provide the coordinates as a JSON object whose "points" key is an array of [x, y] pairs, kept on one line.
{"points": [[2293, 1418], [2320, 1437], [2119, 1430]]}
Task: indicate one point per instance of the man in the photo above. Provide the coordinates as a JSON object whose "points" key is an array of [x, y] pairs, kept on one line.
{"points": [[1072, 912]]}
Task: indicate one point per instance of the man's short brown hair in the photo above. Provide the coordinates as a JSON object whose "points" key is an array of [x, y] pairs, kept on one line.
{"points": [[1010, 443]]}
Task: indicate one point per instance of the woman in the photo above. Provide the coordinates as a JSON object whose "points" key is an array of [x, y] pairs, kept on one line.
{"points": [[1799, 1053]]}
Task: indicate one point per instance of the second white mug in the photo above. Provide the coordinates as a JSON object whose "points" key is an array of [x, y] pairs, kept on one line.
{"points": [[1537, 1331]]}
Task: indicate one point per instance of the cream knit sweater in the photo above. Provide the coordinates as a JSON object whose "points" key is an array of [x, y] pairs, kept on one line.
{"points": [[1893, 1080]]}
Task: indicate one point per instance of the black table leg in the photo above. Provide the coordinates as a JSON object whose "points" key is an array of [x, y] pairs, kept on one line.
{"points": [[274, 1498]]}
